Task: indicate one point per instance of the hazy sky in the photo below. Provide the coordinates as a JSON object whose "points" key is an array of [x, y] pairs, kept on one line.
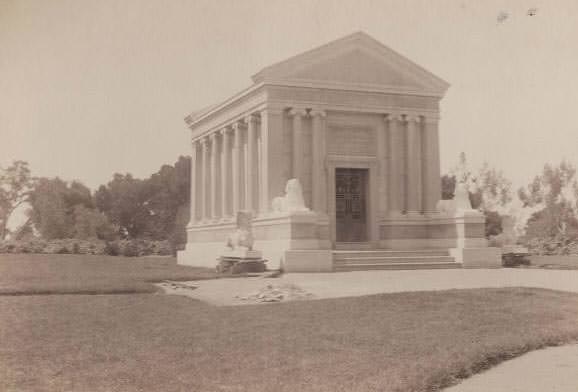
{"points": [[89, 88]]}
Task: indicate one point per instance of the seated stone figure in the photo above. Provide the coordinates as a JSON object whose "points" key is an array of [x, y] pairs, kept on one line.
{"points": [[293, 200], [242, 238]]}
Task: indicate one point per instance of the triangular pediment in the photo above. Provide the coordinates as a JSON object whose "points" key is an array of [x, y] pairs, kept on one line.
{"points": [[355, 61]]}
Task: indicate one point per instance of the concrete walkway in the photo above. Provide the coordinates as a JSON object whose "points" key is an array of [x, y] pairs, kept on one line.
{"points": [[552, 369], [350, 284]]}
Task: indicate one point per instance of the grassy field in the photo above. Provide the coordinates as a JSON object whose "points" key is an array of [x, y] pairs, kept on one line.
{"points": [[392, 342], [87, 274]]}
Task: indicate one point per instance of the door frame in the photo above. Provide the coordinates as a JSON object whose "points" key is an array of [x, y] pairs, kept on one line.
{"points": [[354, 162]]}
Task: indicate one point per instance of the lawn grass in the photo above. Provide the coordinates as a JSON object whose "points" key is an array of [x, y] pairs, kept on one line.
{"points": [[25, 274], [391, 342]]}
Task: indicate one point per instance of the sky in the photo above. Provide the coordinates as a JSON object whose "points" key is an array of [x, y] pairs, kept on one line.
{"points": [[90, 88]]}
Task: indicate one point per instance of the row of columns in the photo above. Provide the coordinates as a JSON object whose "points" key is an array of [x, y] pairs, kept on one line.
{"points": [[233, 170], [230, 168], [413, 164]]}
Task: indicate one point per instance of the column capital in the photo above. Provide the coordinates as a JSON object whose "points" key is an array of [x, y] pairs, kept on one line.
{"points": [[251, 119], [412, 117], [298, 112], [431, 118], [392, 116], [204, 141], [225, 130], [237, 125], [317, 113], [213, 135]]}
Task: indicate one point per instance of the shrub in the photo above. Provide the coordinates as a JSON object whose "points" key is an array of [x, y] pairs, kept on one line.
{"points": [[130, 248]]}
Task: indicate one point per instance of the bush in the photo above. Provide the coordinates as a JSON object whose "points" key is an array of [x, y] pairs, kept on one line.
{"points": [[129, 248]]}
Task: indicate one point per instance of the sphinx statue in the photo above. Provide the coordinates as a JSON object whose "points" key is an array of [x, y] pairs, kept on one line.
{"points": [[293, 200]]}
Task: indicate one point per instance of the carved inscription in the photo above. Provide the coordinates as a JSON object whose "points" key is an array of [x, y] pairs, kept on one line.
{"points": [[351, 141]]}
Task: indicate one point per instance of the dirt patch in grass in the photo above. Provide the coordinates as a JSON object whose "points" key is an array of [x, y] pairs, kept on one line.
{"points": [[419, 341], [31, 274]]}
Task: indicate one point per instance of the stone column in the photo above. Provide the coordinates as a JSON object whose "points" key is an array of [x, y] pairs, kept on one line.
{"points": [[381, 137], [318, 154], [193, 208], [225, 167], [431, 164], [213, 198], [251, 159], [271, 182], [298, 115], [395, 185], [413, 193], [237, 167], [204, 178]]}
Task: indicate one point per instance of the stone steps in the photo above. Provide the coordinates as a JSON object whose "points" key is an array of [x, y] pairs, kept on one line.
{"points": [[361, 260]]}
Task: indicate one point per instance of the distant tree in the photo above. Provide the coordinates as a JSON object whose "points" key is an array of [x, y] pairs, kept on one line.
{"points": [[15, 185], [154, 208], [54, 203], [91, 223], [49, 212], [448, 186], [123, 201], [554, 196]]}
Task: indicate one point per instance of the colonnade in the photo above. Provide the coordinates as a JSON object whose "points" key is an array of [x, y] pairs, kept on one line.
{"points": [[412, 161], [236, 167], [230, 167]]}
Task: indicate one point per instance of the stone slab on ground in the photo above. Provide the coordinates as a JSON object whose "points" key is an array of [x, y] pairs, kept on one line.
{"points": [[229, 291], [553, 369]]}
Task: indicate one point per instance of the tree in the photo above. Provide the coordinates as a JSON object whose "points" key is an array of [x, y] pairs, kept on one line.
{"points": [[15, 186], [90, 223], [155, 208], [553, 197], [50, 212], [54, 205], [123, 200]]}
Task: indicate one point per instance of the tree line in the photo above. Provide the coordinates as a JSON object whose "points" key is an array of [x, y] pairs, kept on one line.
{"points": [[155, 208]]}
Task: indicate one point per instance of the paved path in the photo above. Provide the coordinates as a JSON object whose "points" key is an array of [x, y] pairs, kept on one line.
{"points": [[350, 284], [552, 369]]}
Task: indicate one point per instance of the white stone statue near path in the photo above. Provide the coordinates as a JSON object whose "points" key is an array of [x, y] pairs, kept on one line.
{"points": [[460, 204], [293, 200], [242, 238]]}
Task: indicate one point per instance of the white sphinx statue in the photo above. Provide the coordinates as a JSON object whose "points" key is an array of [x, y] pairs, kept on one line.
{"points": [[293, 200]]}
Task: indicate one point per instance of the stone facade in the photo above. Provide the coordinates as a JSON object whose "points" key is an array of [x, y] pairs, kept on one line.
{"points": [[352, 105]]}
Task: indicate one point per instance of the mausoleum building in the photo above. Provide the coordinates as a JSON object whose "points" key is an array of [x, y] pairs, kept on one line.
{"points": [[357, 125]]}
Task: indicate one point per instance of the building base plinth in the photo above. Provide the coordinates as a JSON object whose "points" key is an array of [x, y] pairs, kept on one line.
{"points": [[478, 257], [311, 260]]}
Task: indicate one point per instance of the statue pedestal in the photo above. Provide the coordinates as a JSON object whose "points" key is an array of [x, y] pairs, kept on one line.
{"points": [[242, 254]]}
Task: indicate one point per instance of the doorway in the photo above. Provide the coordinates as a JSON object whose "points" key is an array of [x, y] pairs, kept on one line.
{"points": [[351, 204]]}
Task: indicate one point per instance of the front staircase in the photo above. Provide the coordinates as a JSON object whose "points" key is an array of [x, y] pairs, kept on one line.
{"points": [[383, 259]]}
